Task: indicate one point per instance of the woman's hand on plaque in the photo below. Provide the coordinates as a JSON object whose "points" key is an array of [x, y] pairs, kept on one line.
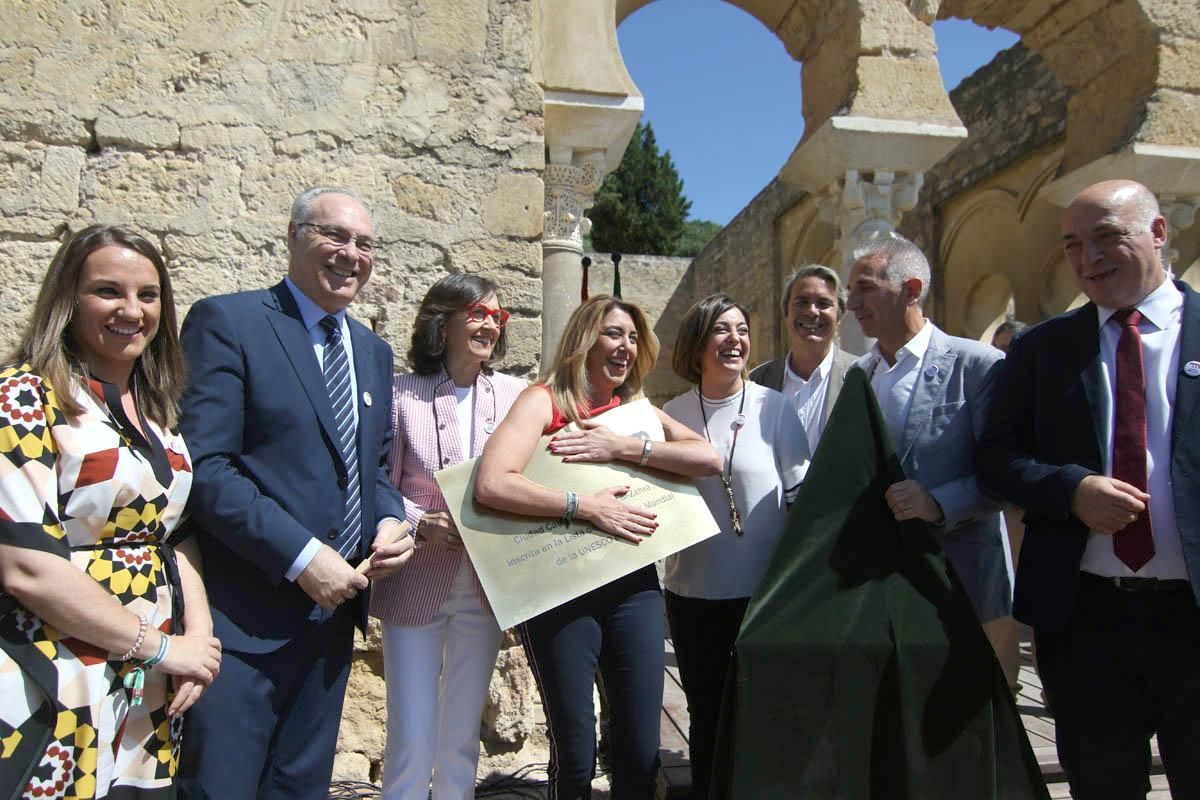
{"points": [[606, 512]]}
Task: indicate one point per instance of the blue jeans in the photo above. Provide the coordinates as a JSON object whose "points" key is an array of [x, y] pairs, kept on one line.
{"points": [[619, 628]]}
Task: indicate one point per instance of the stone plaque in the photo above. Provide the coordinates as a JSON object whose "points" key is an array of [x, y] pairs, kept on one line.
{"points": [[528, 565]]}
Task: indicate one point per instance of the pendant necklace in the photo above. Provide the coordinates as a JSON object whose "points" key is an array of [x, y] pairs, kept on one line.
{"points": [[735, 517]]}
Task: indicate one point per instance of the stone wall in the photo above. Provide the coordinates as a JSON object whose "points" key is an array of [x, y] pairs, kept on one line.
{"points": [[746, 260], [1012, 107], [663, 287], [1014, 110], [198, 122]]}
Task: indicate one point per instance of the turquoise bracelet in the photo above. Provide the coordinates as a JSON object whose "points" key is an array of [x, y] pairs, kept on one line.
{"points": [[135, 679], [572, 508]]}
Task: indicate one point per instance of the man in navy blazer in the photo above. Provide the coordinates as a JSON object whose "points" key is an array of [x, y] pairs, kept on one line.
{"points": [[282, 511], [1112, 599], [934, 392]]}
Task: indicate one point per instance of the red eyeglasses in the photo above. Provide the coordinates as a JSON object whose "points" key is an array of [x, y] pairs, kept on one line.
{"points": [[478, 312]]}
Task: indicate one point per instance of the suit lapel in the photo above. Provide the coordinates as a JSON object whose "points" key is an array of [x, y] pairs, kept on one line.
{"points": [[773, 374], [445, 405], [1092, 377], [298, 348], [929, 390], [368, 384], [841, 364], [1187, 388], [485, 413]]}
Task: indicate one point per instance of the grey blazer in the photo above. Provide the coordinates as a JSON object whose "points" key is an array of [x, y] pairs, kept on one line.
{"points": [[771, 374], [946, 417]]}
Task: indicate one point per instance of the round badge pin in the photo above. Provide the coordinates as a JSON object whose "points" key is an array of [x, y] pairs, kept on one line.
{"points": [[931, 372], [367, 399], [489, 427], [1192, 369]]}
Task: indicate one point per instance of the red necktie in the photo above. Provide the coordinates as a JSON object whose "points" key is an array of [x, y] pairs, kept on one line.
{"points": [[1133, 544]]}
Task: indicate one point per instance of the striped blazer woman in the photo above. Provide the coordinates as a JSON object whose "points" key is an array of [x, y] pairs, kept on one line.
{"points": [[426, 439]]}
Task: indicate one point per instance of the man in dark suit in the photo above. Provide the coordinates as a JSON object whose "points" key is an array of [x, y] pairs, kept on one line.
{"points": [[1093, 431], [287, 418], [811, 373], [934, 390]]}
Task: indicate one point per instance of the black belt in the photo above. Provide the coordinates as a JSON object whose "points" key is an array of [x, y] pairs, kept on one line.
{"points": [[1136, 584]]}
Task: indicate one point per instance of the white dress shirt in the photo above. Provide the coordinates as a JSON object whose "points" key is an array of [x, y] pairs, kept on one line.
{"points": [[311, 315], [1162, 315], [894, 384], [465, 396], [808, 397]]}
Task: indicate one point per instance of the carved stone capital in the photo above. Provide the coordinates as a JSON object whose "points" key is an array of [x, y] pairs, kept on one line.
{"points": [[570, 191], [1180, 211], [864, 204]]}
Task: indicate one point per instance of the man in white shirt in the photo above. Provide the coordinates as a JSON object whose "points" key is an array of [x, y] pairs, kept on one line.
{"points": [[934, 391], [810, 375], [1093, 432]]}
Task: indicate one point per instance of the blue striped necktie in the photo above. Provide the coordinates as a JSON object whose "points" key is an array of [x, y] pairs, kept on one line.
{"points": [[337, 382]]}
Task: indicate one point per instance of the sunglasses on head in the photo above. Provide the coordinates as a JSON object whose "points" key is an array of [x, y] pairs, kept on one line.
{"points": [[478, 312]]}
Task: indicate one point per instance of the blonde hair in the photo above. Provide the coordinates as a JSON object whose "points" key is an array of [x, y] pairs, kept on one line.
{"points": [[567, 377], [48, 345]]}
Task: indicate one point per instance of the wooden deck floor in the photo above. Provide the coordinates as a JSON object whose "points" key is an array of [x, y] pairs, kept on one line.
{"points": [[675, 778]]}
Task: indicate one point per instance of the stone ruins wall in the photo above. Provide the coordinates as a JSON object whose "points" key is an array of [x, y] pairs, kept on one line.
{"points": [[198, 122], [745, 261]]}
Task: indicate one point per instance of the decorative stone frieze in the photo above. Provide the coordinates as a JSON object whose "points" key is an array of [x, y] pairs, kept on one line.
{"points": [[570, 191], [1180, 212], [862, 205]]}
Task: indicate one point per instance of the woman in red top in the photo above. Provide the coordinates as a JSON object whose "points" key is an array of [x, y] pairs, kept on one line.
{"points": [[605, 352]]}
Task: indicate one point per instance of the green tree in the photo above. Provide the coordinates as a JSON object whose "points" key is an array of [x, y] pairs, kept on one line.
{"points": [[640, 208], [697, 233]]}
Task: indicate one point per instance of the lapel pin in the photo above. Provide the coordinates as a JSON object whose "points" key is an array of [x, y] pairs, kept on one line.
{"points": [[1192, 369], [931, 372], [489, 427], [367, 399]]}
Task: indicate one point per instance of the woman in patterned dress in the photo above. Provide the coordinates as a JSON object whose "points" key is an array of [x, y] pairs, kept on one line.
{"points": [[93, 482]]}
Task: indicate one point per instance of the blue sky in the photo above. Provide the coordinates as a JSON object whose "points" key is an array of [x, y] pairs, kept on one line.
{"points": [[724, 96]]}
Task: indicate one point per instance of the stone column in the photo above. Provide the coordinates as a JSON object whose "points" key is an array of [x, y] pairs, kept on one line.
{"points": [[571, 185], [1180, 211], [1171, 172], [859, 206], [865, 173]]}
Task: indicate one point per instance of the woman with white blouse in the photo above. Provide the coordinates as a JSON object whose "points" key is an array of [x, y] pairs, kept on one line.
{"points": [[765, 451]]}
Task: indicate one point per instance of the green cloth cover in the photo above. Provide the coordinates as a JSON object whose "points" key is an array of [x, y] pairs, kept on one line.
{"points": [[861, 670]]}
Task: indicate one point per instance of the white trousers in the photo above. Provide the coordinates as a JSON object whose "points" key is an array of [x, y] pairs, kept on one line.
{"points": [[437, 679]]}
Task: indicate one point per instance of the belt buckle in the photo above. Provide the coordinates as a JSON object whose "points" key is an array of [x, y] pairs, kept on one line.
{"points": [[1136, 584]]}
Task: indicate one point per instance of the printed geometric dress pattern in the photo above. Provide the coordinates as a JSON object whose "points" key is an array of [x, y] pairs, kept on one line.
{"points": [[91, 490]]}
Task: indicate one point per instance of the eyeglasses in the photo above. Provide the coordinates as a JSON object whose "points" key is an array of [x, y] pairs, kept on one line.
{"points": [[478, 312], [341, 238]]}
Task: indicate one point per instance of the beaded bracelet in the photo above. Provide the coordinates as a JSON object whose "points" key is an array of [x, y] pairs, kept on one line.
{"points": [[143, 625], [572, 508]]}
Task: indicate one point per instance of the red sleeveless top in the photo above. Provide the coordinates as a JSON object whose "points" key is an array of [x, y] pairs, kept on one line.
{"points": [[558, 421]]}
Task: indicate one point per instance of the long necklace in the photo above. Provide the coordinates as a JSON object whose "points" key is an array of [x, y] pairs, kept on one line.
{"points": [[735, 517]]}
